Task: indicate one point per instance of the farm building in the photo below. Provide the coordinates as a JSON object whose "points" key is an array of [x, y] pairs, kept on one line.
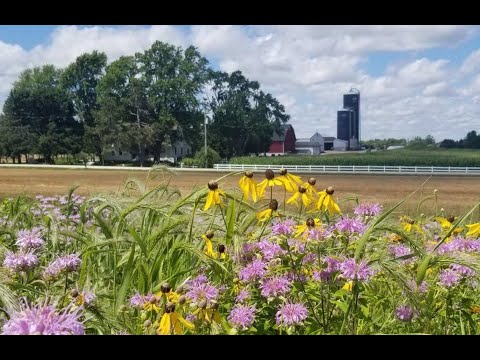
{"points": [[283, 142], [340, 145], [170, 153], [314, 145]]}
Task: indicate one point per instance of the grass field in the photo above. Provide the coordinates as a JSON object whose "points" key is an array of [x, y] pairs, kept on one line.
{"points": [[456, 194], [400, 157]]}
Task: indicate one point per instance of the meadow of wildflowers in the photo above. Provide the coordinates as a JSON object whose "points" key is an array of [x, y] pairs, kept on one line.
{"points": [[235, 261]]}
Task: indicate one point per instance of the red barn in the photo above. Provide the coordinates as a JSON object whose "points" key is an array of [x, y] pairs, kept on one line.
{"points": [[283, 142]]}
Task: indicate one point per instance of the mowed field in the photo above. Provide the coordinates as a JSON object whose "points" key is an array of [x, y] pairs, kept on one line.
{"points": [[456, 194]]}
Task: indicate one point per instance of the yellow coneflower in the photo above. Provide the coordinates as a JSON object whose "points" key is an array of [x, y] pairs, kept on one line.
{"points": [[171, 322], [474, 230], [409, 224], [213, 197], [302, 194], [447, 224], [209, 246], [152, 304], [348, 286], [248, 186], [308, 225], [395, 238], [269, 212], [270, 180], [290, 181], [310, 186], [326, 202], [474, 309]]}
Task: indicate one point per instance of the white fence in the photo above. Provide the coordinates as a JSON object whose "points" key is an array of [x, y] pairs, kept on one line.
{"points": [[355, 169]]}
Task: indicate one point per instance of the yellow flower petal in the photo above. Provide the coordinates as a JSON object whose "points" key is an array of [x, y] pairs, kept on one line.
{"points": [[210, 200], [473, 230], [165, 324]]}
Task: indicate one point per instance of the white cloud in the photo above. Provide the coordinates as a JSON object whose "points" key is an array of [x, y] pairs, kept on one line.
{"points": [[307, 68]]}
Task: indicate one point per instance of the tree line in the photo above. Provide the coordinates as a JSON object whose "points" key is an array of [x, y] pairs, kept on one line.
{"points": [[140, 103]]}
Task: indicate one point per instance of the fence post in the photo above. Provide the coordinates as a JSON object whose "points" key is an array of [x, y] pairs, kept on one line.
{"points": [[384, 170]]}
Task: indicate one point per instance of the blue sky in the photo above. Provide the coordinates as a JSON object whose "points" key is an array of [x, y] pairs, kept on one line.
{"points": [[414, 80]]}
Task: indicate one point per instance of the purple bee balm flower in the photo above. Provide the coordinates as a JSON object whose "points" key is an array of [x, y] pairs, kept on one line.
{"points": [[242, 296], [461, 245], [350, 226], [67, 263], [404, 313], [242, 316], [137, 300], [191, 317], [291, 314], [449, 278], [254, 270], [286, 227], [37, 212], [21, 261], [333, 264], [310, 258], [203, 291], [412, 285], [200, 279], [296, 245], [321, 275], [269, 249], [463, 270], [401, 250], [275, 286], [368, 209], [316, 234], [29, 239], [44, 320], [292, 276], [353, 271]]}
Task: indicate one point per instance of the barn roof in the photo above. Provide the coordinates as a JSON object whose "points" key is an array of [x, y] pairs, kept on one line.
{"points": [[281, 137]]}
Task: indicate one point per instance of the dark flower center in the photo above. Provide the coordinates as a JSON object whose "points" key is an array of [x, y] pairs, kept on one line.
{"points": [[269, 174], [273, 205], [329, 190], [212, 185]]}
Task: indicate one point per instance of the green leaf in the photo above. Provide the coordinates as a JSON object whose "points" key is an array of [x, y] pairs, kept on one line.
{"points": [[122, 292]]}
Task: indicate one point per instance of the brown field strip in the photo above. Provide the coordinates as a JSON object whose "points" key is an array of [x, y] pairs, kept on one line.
{"points": [[456, 194]]}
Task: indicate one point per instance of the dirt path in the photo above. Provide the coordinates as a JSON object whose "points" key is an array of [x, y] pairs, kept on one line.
{"points": [[456, 194]]}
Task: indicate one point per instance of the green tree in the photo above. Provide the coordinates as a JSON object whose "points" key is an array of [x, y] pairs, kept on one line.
{"points": [[39, 107], [81, 78], [243, 116]]}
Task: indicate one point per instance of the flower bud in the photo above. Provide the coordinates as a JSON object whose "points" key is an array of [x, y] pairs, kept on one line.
{"points": [[209, 234], [147, 323], [165, 288], [451, 219], [312, 181], [182, 299], [180, 289], [283, 171], [249, 174], [74, 293], [329, 190], [153, 299], [221, 248]]}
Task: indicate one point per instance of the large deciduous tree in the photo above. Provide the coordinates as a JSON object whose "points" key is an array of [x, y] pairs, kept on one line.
{"points": [[244, 118], [39, 110], [80, 78]]}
